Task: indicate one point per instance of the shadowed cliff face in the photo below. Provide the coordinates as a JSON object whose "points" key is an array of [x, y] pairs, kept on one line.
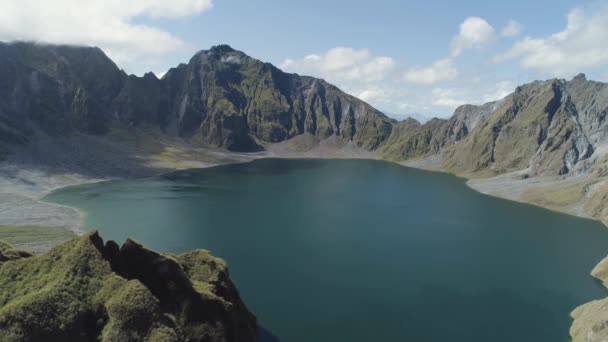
{"points": [[221, 98], [56, 89], [84, 290]]}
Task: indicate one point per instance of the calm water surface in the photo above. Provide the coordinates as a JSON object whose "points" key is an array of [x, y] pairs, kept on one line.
{"points": [[351, 250]]}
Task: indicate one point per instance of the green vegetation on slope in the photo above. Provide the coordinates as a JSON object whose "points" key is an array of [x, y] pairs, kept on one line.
{"points": [[8, 252], [590, 319], [411, 140], [85, 291], [17, 235], [221, 98]]}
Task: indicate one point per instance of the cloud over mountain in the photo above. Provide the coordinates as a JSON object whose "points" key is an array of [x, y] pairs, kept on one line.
{"points": [[109, 24]]}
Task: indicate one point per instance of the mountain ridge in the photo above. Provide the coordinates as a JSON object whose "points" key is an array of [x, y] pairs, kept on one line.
{"points": [[220, 98]]}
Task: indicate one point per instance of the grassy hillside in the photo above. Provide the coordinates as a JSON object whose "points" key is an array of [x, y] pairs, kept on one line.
{"points": [[83, 290]]}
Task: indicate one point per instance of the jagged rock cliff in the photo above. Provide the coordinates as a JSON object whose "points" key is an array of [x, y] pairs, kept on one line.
{"points": [[84, 290], [221, 98], [224, 98], [539, 127], [56, 90], [551, 127], [410, 139]]}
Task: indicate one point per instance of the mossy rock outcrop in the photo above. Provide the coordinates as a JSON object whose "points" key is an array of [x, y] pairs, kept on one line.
{"points": [[84, 290], [591, 319], [8, 253]]}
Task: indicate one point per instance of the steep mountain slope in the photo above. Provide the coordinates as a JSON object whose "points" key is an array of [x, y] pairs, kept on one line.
{"points": [[55, 89], [221, 98], [551, 127], [412, 140], [84, 290], [538, 126]]}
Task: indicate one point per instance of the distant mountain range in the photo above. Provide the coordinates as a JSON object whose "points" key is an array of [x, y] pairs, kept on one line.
{"points": [[551, 127], [225, 99], [221, 98]]}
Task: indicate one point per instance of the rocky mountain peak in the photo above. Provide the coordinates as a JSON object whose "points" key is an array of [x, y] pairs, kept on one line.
{"points": [[221, 98], [580, 78], [222, 49]]}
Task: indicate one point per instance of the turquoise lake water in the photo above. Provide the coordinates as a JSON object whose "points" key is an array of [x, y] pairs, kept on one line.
{"points": [[356, 250]]}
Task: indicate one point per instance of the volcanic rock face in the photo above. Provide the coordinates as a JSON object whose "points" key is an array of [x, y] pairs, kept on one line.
{"points": [[85, 291], [224, 98], [56, 89], [411, 140], [221, 98], [550, 127]]}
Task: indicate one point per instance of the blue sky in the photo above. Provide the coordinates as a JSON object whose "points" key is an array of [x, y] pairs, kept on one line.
{"points": [[419, 58]]}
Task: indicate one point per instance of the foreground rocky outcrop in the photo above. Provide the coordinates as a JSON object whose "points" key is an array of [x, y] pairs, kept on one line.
{"points": [[591, 320], [84, 290], [8, 252]]}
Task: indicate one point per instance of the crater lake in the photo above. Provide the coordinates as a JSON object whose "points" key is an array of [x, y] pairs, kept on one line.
{"points": [[361, 250]]}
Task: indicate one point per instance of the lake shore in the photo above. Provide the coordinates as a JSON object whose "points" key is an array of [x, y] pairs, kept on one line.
{"points": [[571, 195], [31, 172], [323, 202]]}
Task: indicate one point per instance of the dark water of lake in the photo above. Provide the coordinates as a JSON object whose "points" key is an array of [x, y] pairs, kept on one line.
{"points": [[352, 250]]}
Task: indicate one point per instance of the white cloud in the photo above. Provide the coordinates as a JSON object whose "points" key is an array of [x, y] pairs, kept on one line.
{"points": [[501, 90], [373, 94], [512, 29], [108, 24], [580, 45], [474, 32], [440, 71], [342, 63], [450, 98]]}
